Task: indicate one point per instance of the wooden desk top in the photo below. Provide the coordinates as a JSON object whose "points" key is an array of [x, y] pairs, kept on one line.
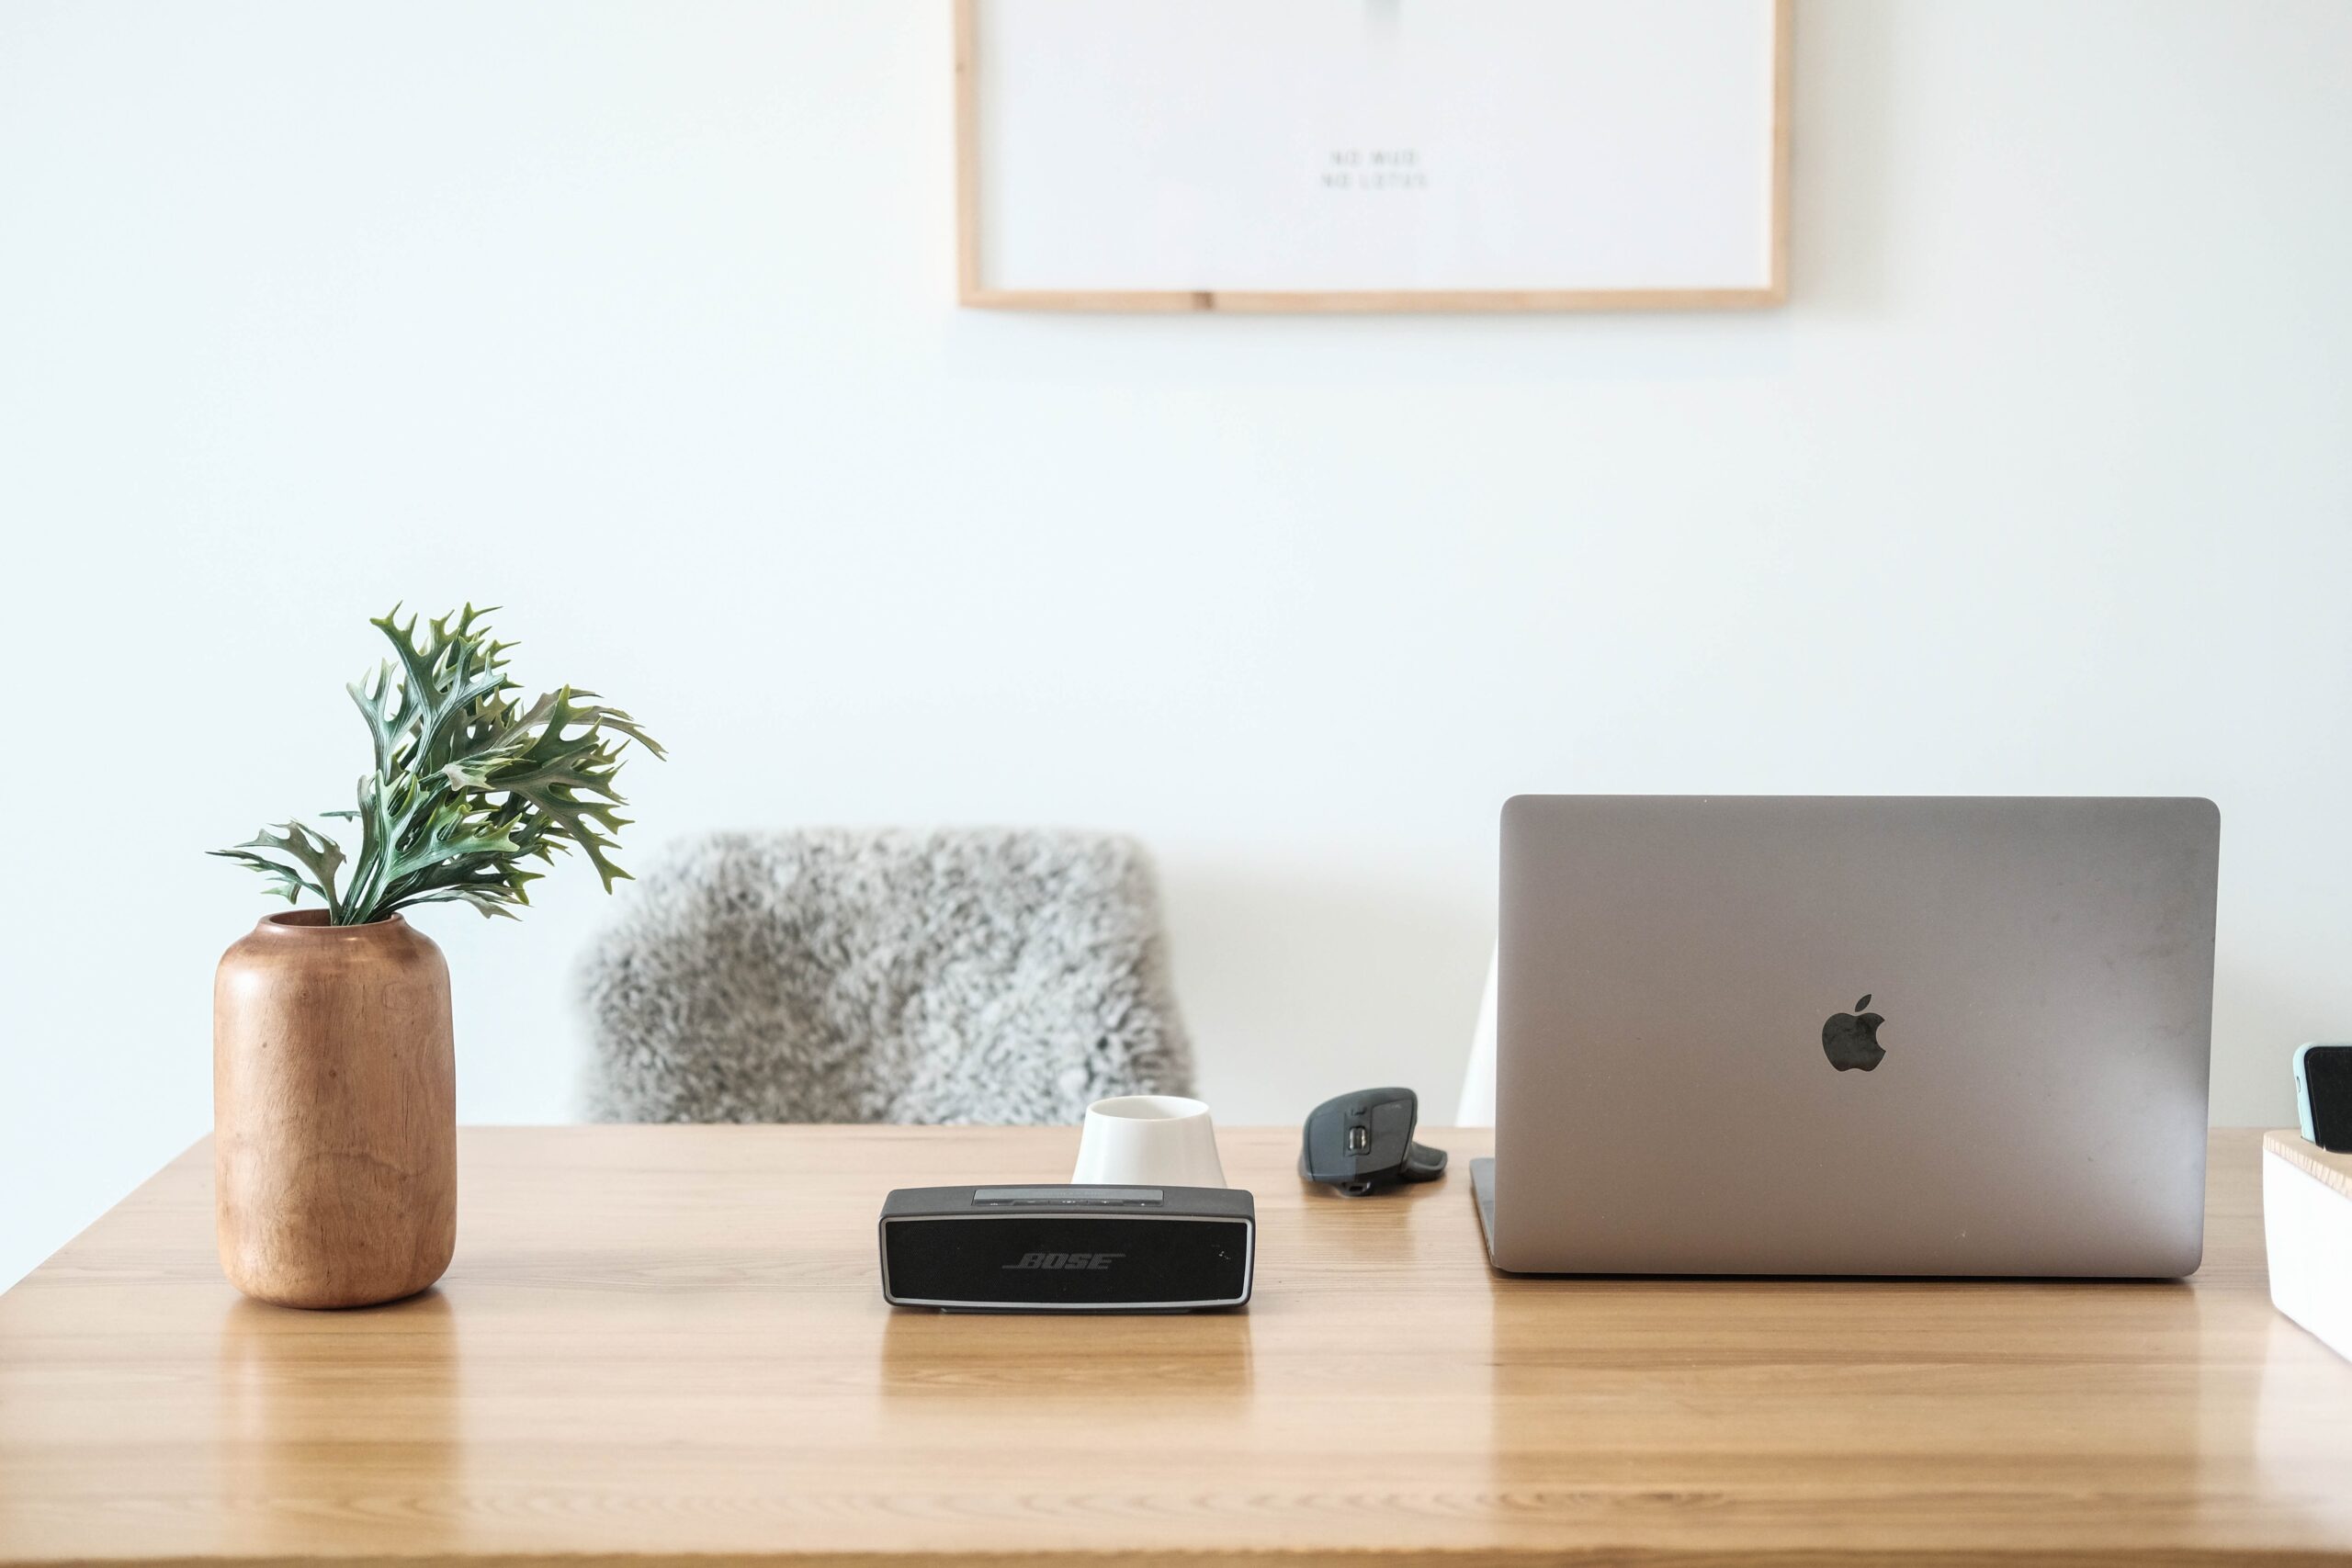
{"points": [[668, 1340]]}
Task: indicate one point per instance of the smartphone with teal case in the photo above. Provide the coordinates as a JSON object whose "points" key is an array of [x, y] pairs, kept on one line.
{"points": [[2324, 1095]]}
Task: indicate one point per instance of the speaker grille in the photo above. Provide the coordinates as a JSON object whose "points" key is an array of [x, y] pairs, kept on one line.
{"points": [[1072, 1262]]}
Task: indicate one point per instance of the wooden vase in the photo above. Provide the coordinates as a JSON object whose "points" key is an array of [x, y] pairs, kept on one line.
{"points": [[334, 1111]]}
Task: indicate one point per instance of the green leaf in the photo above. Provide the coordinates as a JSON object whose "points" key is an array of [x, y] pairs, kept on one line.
{"points": [[294, 848], [468, 782], [378, 705], [283, 882]]}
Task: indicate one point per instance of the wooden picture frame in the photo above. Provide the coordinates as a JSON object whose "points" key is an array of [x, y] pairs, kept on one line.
{"points": [[976, 289]]}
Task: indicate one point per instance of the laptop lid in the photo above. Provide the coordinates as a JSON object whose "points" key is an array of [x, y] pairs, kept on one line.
{"points": [[1849, 1035]]}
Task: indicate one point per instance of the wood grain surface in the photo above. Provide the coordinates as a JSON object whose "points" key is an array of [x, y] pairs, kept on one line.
{"points": [[2321, 1164], [668, 1342], [335, 1117]]}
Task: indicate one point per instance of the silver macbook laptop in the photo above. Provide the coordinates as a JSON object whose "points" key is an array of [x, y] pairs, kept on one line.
{"points": [[1817, 1036]]}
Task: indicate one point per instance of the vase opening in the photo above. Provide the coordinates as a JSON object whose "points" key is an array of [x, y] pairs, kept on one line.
{"points": [[316, 920]]}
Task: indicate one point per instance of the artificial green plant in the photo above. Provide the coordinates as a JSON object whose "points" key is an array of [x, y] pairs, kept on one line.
{"points": [[469, 785]]}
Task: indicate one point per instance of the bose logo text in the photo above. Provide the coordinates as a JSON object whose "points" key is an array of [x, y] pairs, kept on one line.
{"points": [[1066, 1260]]}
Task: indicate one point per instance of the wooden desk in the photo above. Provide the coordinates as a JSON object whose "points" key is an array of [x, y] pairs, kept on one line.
{"points": [[665, 1341]]}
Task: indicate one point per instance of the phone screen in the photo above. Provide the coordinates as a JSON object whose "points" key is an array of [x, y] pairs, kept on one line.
{"points": [[2327, 1085]]}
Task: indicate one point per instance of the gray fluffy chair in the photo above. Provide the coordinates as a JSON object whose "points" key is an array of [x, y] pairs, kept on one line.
{"points": [[832, 975]]}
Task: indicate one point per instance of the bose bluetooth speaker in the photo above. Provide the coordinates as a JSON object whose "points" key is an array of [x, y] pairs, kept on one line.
{"points": [[1081, 1249]]}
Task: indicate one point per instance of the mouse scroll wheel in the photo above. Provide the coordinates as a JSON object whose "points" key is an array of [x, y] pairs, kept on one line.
{"points": [[1359, 1139]]}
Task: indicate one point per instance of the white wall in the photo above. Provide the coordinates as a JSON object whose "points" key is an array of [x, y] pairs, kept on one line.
{"points": [[636, 318]]}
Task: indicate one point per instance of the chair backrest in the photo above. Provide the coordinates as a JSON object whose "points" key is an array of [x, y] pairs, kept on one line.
{"points": [[981, 976]]}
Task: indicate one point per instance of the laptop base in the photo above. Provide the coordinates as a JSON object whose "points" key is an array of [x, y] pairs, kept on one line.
{"points": [[1482, 1189]]}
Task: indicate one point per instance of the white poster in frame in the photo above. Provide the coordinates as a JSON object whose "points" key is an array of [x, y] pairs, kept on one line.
{"points": [[1371, 154]]}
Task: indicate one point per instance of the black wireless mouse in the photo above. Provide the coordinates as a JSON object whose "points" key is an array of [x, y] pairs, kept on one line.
{"points": [[1363, 1142]]}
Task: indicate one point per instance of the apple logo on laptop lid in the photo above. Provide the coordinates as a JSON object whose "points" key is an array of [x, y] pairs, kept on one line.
{"points": [[1851, 1039]]}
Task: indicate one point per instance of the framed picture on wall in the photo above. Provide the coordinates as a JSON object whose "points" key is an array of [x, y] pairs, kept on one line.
{"points": [[1371, 154]]}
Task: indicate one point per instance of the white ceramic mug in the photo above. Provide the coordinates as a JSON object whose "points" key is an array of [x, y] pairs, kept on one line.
{"points": [[1152, 1140]]}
